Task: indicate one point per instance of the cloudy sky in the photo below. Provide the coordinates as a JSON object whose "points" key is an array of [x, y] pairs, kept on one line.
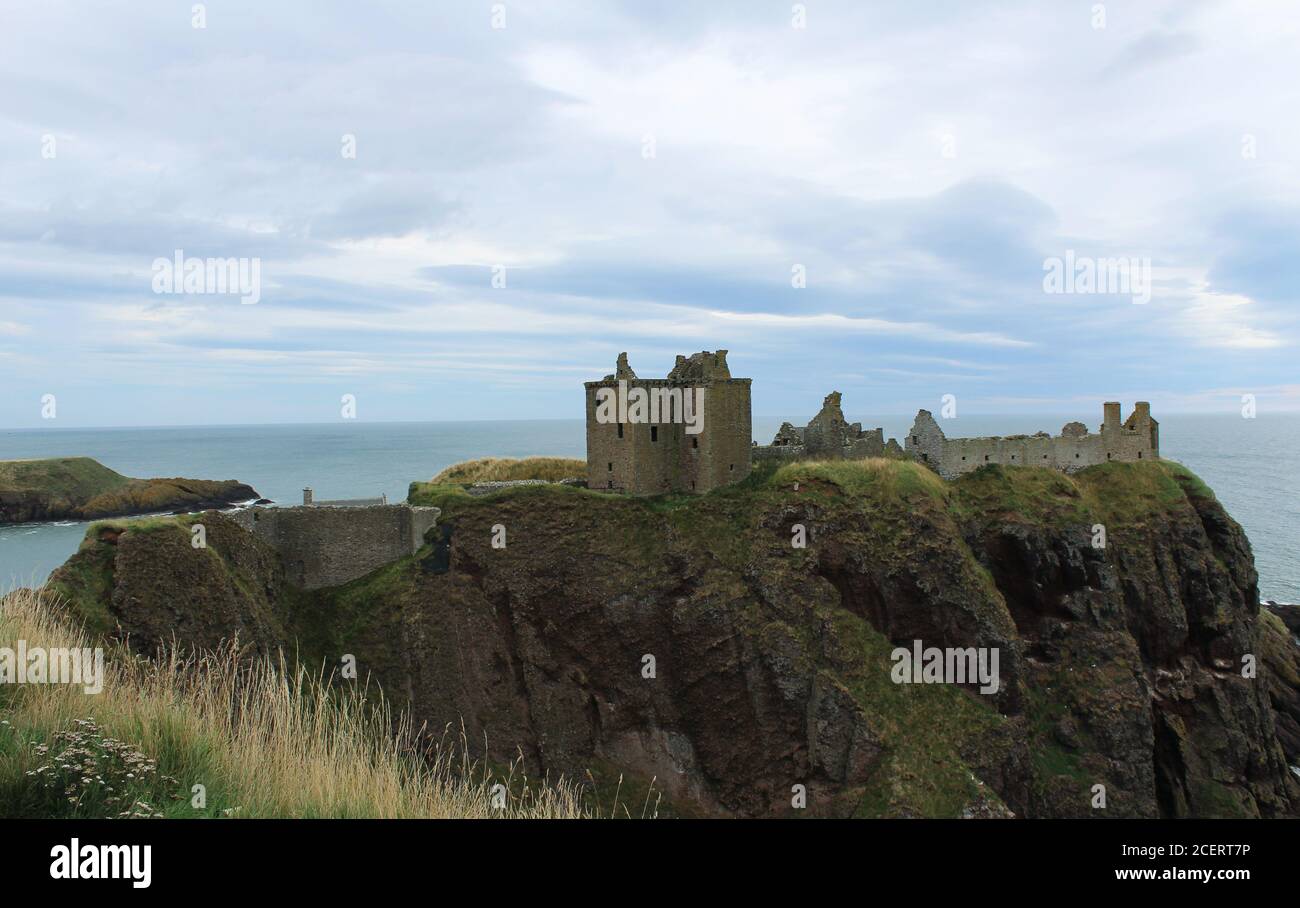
{"points": [[656, 178]]}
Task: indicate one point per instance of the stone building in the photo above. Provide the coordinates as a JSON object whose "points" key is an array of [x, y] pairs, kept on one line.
{"points": [[1137, 438], [829, 436], [323, 544], [688, 432]]}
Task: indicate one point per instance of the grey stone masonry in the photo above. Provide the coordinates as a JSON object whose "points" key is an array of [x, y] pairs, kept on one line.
{"points": [[1137, 438], [655, 456], [325, 546], [828, 436]]}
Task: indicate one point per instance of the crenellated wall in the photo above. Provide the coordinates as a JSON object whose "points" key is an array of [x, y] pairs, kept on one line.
{"points": [[325, 546]]}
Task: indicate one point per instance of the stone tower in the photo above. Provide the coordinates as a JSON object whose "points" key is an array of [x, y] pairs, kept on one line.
{"points": [[689, 432]]}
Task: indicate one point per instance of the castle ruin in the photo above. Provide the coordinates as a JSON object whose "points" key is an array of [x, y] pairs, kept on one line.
{"points": [[688, 432], [1137, 438], [829, 436], [691, 432]]}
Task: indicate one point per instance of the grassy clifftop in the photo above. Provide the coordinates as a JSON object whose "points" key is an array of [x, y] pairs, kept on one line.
{"points": [[64, 479], [80, 488], [773, 659], [499, 469]]}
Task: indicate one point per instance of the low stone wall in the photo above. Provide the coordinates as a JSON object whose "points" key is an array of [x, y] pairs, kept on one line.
{"points": [[777, 452], [327, 546]]}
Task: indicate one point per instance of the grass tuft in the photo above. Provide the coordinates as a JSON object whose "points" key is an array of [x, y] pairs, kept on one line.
{"points": [[263, 739], [506, 469]]}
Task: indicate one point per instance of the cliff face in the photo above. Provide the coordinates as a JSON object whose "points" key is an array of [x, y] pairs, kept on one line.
{"points": [[690, 642], [79, 488]]}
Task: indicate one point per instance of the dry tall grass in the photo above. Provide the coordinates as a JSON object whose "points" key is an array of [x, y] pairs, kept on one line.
{"points": [[501, 469], [265, 741]]}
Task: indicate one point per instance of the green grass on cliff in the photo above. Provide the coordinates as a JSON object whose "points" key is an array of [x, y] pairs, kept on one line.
{"points": [[501, 469], [71, 479], [875, 477], [83, 488], [930, 736], [1110, 493]]}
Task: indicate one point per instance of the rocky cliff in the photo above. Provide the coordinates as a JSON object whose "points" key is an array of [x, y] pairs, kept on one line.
{"points": [[79, 488], [691, 642]]}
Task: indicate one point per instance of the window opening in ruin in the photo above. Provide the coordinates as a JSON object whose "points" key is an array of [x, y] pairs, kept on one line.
{"points": [[610, 467], [654, 433], [620, 430], [695, 442]]}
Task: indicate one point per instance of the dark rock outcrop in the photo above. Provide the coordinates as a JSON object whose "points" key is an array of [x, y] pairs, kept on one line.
{"points": [[693, 644]]}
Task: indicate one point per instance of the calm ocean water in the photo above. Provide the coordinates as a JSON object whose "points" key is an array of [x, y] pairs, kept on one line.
{"points": [[1251, 464]]}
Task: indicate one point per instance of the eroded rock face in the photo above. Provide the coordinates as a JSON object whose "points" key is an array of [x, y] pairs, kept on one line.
{"points": [[698, 647]]}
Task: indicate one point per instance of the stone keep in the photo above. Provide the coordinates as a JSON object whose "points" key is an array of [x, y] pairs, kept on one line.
{"points": [[1137, 438], [654, 458]]}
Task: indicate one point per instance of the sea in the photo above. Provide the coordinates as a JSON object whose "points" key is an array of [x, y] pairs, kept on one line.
{"points": [[1252, 465]]}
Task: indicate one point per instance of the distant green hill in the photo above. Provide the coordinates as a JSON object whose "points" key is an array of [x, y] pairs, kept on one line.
{"points": [[81, 488], [63, 478]]}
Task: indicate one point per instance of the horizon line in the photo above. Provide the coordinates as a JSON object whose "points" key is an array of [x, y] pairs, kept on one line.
{"points": [[575, 419]]}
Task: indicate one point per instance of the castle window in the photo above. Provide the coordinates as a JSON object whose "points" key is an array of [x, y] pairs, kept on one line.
{"points": [[610, 468], [1139, 455], [926, 458], [1108, 455], [654, 433], [692, 485], [732, 468], [1044, 457], [1076, 455], [986, 457], [963, 457], [695, 442], [915, 440], [620, 430], [611, 483]]}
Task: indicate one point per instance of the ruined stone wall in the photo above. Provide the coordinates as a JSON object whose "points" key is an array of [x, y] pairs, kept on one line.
{"points": [[326, 546], [1074, 449], [828, 436], [659, 458]]}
